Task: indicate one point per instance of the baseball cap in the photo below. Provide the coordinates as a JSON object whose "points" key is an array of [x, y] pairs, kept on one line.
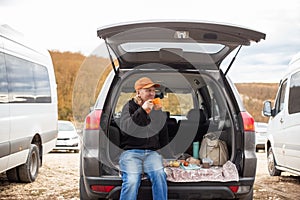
{"points": [[144, 82]]}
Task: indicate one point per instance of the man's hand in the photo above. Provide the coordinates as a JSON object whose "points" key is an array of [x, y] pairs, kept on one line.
{"points": [[148, 105]]}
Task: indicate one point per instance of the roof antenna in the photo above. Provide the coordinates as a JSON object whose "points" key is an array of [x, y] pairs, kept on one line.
{"points": [[233, 59], [110, 57]]}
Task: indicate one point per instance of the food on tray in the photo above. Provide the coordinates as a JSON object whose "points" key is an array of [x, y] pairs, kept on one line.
{"points": [[206, 162], [176, 164], [193, 160], [173, 163]]}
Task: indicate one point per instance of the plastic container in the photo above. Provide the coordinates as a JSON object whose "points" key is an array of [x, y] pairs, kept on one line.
{"points": [[196, 150]]}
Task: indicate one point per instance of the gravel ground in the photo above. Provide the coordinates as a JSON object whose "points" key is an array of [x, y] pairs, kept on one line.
{"points": [[59, 179], [286, 186]]}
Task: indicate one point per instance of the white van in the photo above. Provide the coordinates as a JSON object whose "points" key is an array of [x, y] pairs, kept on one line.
{"points": [[283, 144], [28, 106]]}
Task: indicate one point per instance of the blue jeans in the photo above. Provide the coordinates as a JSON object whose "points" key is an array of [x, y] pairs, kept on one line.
{"points": [[135, 162]]}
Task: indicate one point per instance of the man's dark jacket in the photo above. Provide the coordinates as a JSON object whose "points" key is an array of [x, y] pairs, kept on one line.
{"points": [[141, 130]]}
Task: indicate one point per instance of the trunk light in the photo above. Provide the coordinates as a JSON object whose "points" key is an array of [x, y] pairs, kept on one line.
{"points": [[182, 34]]}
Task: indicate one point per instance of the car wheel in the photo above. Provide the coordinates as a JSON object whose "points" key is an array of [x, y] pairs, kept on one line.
{"points": [[29, 171], [83, 193], [82, 190], [249, 196], [272, 164]]}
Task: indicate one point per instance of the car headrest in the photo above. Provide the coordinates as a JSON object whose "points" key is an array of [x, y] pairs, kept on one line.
{"points": [[195, 115]]}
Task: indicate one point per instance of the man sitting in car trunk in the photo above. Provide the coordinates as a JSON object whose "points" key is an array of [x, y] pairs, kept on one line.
{"points": [[144, 131]]}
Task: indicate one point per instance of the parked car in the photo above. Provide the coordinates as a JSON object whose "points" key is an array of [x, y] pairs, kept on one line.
{"points": [[184, 58], [283, 145], [260, 135], [68, 138]]}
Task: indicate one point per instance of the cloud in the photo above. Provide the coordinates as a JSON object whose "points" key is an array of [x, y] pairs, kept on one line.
{"points": [[71, 25]]}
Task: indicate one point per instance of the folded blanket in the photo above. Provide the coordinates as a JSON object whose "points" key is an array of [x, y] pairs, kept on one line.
{"points": [[225, 173]]}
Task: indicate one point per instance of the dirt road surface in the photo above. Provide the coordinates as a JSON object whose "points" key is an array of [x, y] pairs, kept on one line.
{"points": [[59, 179], [286, 186]]}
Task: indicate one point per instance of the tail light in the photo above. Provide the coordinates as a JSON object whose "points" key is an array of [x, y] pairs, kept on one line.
{"points": [[234, 188], [248, 121], [102, 188], [92, 121]]}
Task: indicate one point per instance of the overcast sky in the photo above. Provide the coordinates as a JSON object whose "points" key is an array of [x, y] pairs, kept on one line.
{"points": [[70, 25]]}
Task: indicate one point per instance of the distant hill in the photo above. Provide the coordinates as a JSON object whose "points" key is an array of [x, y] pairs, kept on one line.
{"points": [[67, 65], [253, 96]]}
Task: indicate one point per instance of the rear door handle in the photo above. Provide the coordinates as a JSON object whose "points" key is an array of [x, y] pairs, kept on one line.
{"points": [[281, 120]]}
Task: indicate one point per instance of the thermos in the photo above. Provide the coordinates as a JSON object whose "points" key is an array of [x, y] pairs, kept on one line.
{"points": [[196, 150]]}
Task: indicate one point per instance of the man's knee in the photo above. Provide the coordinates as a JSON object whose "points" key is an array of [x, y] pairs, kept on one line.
{"points": [[131, 179], [157, 175]]}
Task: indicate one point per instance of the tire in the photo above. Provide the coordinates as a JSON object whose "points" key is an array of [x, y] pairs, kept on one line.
{"points": [[29, 171], [82, 191], [12, 175], [249, 196], [272, 163]]}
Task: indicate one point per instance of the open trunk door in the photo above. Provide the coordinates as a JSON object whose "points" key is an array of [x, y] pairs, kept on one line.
{"points": [[177, 44]]}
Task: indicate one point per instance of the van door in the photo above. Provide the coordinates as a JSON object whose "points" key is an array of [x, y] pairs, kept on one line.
{"points": [[4, 116], [292, 124], [276, 125]]}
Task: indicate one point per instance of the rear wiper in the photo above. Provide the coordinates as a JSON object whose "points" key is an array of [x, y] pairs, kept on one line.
{"points": [[111, 59], [233, 59]]}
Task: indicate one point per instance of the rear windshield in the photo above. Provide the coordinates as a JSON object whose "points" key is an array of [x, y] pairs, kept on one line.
{"points": [[156, 46], [180, 93]]}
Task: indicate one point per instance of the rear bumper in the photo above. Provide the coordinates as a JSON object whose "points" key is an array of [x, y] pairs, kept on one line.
{"points": [[75, 147], [71, 146], [199, 190]]}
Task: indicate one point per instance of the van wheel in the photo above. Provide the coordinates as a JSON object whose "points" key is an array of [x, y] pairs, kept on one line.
{"points": [[272, 164], [12, 175], [29, 171]]}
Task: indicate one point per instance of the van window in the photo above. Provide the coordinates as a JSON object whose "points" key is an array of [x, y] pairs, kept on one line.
{"points": [[280, 98], [3, 81], [42, 84], [27, 82], [294, 95]]}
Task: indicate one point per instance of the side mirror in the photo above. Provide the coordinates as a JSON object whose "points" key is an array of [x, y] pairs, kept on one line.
{"points": [[267, 109]]}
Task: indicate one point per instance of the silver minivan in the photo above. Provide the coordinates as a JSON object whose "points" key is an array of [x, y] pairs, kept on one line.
{"points": [[283, 144]]}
